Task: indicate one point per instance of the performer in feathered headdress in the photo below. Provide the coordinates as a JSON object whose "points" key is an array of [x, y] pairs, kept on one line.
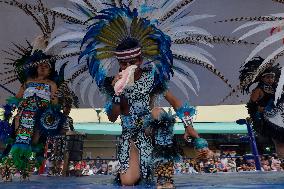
{"points": [[266, 102], [38, 114], [146, 64], [264, 107]]}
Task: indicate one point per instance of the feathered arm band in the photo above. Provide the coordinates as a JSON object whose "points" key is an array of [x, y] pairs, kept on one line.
{"points": [[185, 113], [200, 143]]}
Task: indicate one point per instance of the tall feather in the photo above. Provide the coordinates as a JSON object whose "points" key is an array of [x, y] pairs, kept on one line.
{"points": [[204, 65], [256, 18], [175, 9]]}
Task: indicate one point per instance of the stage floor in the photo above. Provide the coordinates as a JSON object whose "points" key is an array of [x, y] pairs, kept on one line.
{"points": [[247, 180]]}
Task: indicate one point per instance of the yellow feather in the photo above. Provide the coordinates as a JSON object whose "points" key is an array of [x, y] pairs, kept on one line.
{"points": [[148, 42], [104, 55], [115, 30], [133, 26], [137, 28], [120, 25], [108, 36], [145, 32], [108, 30], [149, 48], [106, 48], [151, 52], [104, 40]]}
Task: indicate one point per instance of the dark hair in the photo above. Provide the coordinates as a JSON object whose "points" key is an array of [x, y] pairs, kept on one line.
{"points": [[128, 43], [37, 56]]}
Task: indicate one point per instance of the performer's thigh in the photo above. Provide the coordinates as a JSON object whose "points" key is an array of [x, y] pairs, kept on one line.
{"points": [[132, 175]]}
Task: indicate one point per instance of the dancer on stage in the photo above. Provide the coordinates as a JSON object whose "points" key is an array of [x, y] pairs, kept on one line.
{"points": [[268, 109], [38, 113], [265, 110], [134, 99], [36, 94]]}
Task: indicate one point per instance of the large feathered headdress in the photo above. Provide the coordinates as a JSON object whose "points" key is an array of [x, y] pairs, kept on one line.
{"points": [[22, 60], [113, 27]]}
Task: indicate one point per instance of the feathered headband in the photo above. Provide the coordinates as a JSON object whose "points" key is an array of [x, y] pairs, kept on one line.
{"points": [[23, 60], [128, 54]]}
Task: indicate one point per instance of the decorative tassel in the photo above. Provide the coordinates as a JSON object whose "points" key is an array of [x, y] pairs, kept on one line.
{"points": [[185, 108]]}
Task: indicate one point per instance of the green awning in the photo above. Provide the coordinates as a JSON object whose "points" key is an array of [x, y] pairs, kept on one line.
{"points": [[202, 128]]}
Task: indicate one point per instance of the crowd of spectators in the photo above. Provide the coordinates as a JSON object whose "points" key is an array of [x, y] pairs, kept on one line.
{"points": [[229, 163], [220, 163], [97, 166]]}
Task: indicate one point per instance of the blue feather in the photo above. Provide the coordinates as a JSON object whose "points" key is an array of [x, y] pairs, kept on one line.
{"points": [[185, 108], [88, 49], [145, 9], [93, 31]]}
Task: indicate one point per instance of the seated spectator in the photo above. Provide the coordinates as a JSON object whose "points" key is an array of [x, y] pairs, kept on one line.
{"points": [[98, 166], [178, 168], [191, 169], [104, 167], [220, 166], [211, 166], [206, 167], [265, 164], [113, 166], [275, 165], [232, 167]]}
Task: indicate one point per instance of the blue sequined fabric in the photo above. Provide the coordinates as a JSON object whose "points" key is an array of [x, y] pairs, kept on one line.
{"points": [[134, 124]]}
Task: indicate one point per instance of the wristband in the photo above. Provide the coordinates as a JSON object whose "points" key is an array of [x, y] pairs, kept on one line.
{"points": [[200, 143], [187, 120], [116, 99]]}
